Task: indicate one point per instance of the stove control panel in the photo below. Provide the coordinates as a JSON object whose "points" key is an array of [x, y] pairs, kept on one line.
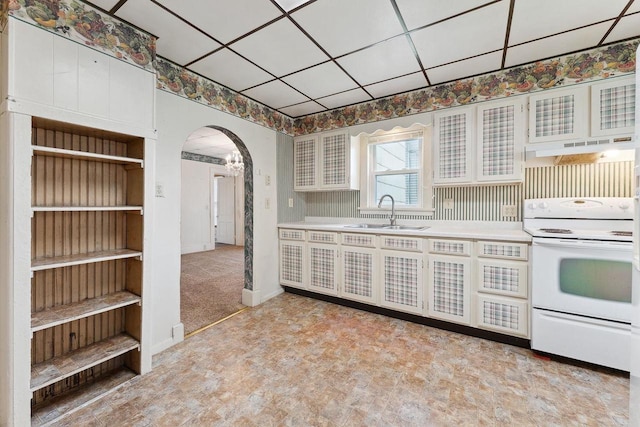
{"points": [[580, 208]]}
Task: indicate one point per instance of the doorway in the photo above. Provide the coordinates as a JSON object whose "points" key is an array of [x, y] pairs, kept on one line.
{"points": [[212, 232]]}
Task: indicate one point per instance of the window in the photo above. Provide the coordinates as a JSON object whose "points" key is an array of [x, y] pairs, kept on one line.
{"points": [[397, 164]]}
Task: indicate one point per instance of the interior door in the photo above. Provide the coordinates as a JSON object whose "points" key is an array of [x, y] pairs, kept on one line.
{"points": [[226, 210]]}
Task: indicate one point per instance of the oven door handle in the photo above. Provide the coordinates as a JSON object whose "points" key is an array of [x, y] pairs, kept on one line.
{"points": [[566, 243]]}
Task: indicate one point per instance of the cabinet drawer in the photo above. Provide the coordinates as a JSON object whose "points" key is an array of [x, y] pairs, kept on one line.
{"points": [[450, 247], [502, 277], [506, 250], [505, 315], [401, 243], [292, 234], [356, 239], [322, 237]]}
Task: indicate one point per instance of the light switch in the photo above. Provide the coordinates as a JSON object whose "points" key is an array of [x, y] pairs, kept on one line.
{"points": [[267, 180], [290, 202]]}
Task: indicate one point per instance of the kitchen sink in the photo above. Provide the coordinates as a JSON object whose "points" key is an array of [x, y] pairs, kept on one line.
{"points": [[366, 226], [404, 227]]}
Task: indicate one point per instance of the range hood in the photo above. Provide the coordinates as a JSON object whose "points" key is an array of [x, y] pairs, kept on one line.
{"points": [[590, 145]]}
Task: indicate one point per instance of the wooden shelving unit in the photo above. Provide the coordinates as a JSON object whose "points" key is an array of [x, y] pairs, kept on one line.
{"points": [[87, 235]]}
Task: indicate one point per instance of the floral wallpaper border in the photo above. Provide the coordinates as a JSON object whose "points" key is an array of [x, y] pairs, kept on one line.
{"points": [[185, 155], [595, 64], [182, 82], [86, 25]]}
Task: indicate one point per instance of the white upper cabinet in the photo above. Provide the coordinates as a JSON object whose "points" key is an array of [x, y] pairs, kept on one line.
{"points": [[613, 107], [326, 161], [500, 141], [558, 115], [453, 145], [479, 144]]}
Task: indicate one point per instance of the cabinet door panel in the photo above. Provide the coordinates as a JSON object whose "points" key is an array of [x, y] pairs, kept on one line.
{"points": [[500, 142], [402, 283], [453, 135], [334, 153], [449, 288], [358, 274], [323, 268], [502, 277], [93, 87], [292, 264], [504, 315], [305, 154], [558, 115], [613, 107]]}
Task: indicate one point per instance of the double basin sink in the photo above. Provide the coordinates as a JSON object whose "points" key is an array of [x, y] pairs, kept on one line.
{"points": [[387, 227]]}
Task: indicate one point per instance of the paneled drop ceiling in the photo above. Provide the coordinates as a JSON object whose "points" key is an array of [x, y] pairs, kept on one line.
{"points": [[302, 57]]}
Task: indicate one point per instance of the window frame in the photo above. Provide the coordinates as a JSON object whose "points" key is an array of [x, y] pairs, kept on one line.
{"points": [[368, 204]]}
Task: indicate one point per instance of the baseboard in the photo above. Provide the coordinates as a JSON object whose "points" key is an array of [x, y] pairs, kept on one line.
{"points": [[273, 294], [177, 333], [250, 298]]}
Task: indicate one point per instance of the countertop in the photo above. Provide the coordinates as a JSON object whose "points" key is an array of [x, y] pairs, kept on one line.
{"points": [[476, 230]]}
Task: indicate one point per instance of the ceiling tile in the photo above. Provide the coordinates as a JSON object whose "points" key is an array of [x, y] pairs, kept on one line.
{"points": [[176, 40], [345, 98], [210, 142], [458, 38], [239, 17], [280, 48], [105, 4], [321, 80], [381, 62], [275, 94], [556, 45], [418, 13], [635, 7], [628, 26], [231, 70], [401, 84], [291, 4], [540, 18], [344, 26], [468, 67], [302, 109]]}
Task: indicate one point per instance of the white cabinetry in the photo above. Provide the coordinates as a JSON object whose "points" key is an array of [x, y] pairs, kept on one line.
{"points": [[613, 107], [326, 161], [401, 273], [359, 278], [500, 141], [557, 115], [323, 262], [478, 145], [502, 293], [449, 280], [292, 258], [453, 145]]}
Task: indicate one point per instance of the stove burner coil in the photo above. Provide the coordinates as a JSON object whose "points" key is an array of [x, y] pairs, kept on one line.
{"points": [[556, 230]]}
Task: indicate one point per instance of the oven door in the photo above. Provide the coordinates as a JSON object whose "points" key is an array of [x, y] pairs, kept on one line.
{"points": [[584, 277]]}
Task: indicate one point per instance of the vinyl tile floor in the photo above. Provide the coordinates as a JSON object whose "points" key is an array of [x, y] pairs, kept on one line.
{"points": [[296, 361]]}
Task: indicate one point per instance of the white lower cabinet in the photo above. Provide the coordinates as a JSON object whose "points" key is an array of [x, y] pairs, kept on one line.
{"points": [[292, 258], [502, 294], [402, 277], [449, 288], [481, 284], [359, 261]]}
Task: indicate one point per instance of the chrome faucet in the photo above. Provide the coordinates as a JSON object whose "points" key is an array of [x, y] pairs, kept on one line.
{"points": [[392, 217]]}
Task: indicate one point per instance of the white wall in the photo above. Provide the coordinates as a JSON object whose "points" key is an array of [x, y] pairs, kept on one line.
{"points": [[177, 118], [196, 206]]}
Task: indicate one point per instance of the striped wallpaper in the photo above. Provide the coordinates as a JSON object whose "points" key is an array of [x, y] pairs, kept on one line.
{"points": [[284, 157], [483, 203]]}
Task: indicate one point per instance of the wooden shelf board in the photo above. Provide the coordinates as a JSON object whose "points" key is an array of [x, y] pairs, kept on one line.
{"points": [[83, 155], [78, 259], [69, 312], [85, 208], [61, 367], [76, 399]]}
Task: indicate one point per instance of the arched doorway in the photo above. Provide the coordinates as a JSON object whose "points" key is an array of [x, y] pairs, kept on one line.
{"points": [[211, 271]]}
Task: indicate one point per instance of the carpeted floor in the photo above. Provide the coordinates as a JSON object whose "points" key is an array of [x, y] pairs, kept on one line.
{"points": [[211, 286]]}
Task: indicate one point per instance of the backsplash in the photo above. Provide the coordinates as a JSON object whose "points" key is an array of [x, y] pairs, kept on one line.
{"points": [[484, 203]]}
